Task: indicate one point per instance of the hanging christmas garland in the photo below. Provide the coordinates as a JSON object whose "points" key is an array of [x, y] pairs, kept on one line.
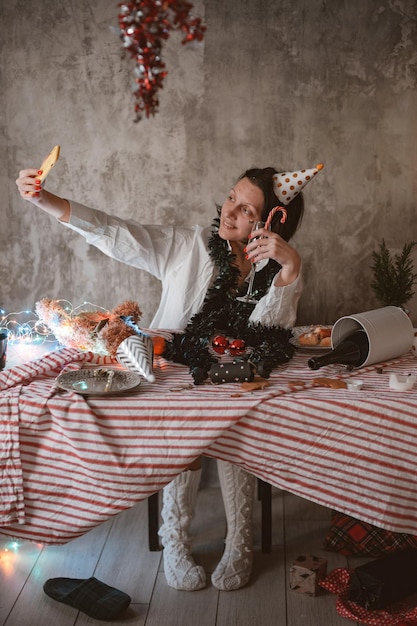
{"points": [[144, 25], [223, 314]]}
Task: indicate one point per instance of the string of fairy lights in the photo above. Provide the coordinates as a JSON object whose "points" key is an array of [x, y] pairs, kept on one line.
{"points": [[26, 332], [29, 338], [24, 327]]}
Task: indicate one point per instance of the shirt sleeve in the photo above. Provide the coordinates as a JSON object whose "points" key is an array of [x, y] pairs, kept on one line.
{"points": [[279, 306], [152, 248]]}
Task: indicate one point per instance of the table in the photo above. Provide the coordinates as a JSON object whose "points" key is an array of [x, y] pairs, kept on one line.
{"points": [[70, 462]]}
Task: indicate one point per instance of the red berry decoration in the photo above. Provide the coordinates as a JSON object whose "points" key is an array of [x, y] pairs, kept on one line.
{"points": [[220, 344], [236, 347], [144, 25]]}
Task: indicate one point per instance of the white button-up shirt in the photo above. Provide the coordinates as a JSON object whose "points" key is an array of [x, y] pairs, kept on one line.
{"points": [[179, 258]]}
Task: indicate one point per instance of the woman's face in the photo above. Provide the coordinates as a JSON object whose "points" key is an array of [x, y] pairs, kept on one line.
{"points": [[241, 209]]}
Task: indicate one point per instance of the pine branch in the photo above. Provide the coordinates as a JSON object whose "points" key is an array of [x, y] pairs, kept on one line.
{"points": [[393, 277]]}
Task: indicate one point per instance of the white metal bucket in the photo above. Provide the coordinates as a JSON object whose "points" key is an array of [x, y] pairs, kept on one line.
{"points": [[389, 330]]}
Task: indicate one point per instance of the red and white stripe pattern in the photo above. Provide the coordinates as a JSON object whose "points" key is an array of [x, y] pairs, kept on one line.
{"points": [[71, 462], [354, 451], [79, 460]]}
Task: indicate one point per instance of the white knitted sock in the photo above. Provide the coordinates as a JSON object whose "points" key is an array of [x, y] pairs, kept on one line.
{"points": [[179, 498], [235, 566]]}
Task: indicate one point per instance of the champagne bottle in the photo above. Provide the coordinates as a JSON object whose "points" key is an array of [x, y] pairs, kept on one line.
{"points": [[352, 351]]}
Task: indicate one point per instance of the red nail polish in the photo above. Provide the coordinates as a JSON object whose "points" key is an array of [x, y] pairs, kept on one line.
{"points": [[39, 172]]}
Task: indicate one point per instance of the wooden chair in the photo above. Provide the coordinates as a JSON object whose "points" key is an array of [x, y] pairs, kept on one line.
{"points": [[264, 495]]}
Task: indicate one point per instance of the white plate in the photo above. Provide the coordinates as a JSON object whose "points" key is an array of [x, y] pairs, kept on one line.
{"points": [[299, 330], [100, 381]]}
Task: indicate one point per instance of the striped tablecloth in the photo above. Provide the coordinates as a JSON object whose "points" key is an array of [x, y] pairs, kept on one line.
{"points": [[69, 462], [354, 451]]}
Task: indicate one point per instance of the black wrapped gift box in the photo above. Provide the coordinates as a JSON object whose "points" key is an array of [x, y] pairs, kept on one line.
{"points": [[234, 372], [389, 579]]}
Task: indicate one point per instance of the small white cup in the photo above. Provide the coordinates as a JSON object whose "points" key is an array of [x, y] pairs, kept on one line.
{"points": [[400, 382], [354, 385]]}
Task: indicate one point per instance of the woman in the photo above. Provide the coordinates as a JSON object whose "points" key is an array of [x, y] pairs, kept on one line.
{"points": [[192, 263]]}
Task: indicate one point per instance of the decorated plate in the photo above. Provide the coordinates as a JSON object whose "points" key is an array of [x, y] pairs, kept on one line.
{"points": [[299, 330], [99, 381]]}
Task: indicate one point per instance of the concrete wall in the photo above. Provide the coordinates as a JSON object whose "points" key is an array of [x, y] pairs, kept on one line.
{"points": [[275, 82]]}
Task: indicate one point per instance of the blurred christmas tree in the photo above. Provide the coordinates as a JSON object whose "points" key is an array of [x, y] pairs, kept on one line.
{"points": [[393, 276]]}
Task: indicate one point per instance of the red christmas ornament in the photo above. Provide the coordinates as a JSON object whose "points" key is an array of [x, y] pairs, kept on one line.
{"points": [[236, 347], [220, 344], [144, 24]]}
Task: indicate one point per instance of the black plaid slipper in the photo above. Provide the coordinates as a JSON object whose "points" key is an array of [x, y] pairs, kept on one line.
{"points": [[90, 596]]}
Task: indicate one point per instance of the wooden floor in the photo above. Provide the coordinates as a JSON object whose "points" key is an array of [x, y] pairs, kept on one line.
{"points": [[117, 553]]}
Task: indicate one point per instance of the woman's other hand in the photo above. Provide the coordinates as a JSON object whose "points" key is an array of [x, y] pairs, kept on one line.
{"points": [[271, 246]]}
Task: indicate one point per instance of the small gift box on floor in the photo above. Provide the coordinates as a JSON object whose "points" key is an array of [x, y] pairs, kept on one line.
{"points": [[306, 573]]}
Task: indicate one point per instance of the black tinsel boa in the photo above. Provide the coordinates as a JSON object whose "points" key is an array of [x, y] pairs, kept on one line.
{"points": [[223, 314]]}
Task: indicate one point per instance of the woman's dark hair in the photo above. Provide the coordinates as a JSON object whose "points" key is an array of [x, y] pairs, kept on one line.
{"points": [[262, 178]]}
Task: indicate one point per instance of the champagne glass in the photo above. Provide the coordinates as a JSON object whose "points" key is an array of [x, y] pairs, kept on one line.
{"points": [[256, 267]]}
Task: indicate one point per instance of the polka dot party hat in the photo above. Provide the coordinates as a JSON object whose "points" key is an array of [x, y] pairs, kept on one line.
{"points": [[287, 185]]}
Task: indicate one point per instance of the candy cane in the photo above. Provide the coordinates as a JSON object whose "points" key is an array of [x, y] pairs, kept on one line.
{"points": [[272, 213]]}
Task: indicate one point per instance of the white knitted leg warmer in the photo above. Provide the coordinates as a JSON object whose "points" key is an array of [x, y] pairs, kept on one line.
{"points": [[179, 498], [235, 567]]}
